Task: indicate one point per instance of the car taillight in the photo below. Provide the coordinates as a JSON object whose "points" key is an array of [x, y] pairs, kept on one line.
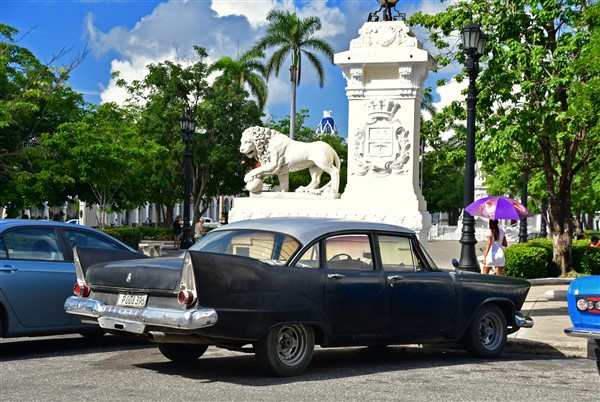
{"points": [[186, 297], [589, 304], [81, 289]]}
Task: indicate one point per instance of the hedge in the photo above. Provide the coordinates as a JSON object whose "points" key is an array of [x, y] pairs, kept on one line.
{"points": [[523, 261], [586, 260], [133, 235]]}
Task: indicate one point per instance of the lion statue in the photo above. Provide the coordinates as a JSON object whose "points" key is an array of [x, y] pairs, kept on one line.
{"points": [[279, 155]]}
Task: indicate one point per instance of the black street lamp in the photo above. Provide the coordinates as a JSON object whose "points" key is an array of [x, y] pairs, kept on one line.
{"points": [[473, 45], [188, 126], [523, 223], [387, 13]]}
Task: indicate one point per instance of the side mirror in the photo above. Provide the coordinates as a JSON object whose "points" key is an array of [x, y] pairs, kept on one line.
{"points": [[455, 263]]}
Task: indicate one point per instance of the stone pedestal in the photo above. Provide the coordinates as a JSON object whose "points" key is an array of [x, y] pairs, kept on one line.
{"points": [[385, 68]]}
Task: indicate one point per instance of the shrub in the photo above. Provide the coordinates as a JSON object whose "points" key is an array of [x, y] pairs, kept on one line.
{"points": [[132, 236], [127, 234], [523, 261], [586, 260], [546, 244]]}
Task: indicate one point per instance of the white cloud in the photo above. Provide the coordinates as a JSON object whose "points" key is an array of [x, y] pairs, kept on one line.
{"points": [[254, 11]]}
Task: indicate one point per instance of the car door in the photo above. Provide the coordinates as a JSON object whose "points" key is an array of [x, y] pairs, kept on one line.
{"points": [[355, 294], [35, 276], [421, 302]]}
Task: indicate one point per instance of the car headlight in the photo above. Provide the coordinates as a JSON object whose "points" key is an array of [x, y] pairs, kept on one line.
{"points": [[590, 304]]}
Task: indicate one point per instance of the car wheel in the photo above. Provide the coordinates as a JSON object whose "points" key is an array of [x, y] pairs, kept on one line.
{"points": [[486, 335], [182, 352], [598, 366], [286, 350]]}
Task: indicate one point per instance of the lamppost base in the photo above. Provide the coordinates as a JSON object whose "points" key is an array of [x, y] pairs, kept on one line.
{"points": [[468, 257]]}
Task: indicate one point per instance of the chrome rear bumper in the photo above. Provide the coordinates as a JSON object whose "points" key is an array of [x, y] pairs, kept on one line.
{"points": [[523, 321], [135, 320], [583, 333]]}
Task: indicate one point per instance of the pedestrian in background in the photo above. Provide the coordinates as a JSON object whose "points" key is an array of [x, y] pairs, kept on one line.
{"points": [[494, 253], [595, 242], [199, 229], [177, 231]]}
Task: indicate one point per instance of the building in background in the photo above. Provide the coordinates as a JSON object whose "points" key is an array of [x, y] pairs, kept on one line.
{"points": [[327, 124]]}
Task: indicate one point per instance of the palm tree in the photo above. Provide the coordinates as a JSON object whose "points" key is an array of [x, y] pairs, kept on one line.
{"points": [[294, 36], [246, 69]]}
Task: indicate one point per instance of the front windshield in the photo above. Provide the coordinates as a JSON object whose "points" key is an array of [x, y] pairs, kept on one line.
{"points": [[269, 247]]}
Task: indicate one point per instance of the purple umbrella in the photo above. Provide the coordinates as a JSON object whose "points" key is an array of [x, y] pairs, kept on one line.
{"points": [[497, 207]]}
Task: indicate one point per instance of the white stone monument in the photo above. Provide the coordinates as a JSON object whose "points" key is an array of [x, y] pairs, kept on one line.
{"points": [[385, 68]]}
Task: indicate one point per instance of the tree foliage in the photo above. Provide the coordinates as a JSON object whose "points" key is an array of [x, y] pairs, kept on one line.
{"points": [[100, 159], [34, 99], [535, 111], [171, 89], [244, 70]]}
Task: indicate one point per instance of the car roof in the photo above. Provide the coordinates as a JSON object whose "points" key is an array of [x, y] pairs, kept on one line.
{"points": [[306, 229], [10, 223]]}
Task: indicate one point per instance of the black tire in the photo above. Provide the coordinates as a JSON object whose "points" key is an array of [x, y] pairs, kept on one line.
{"points": [[286, 350], [598, 366], [182, 352], [486, 335]]}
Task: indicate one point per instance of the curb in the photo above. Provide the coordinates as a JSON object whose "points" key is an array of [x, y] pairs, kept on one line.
{"points": [[550, 281]]}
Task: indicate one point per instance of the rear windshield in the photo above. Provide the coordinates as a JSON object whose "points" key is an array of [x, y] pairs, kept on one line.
{"points": [[268, 247]]}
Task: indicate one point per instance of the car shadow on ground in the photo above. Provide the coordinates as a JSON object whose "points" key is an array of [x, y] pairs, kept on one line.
{"points": [[65, 345], [326, 364]]}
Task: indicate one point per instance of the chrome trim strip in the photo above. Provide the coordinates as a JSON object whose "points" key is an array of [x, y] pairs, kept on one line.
{"points": [[523, 321], [161, 317], [582, 333]]}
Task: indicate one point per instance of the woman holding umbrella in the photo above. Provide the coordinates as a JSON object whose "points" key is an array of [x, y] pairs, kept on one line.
{"points": [[494, 252], [496, 207]]}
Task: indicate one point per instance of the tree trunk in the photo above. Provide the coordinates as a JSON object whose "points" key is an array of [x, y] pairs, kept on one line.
{"points": [[293, 77], [561, 228]]}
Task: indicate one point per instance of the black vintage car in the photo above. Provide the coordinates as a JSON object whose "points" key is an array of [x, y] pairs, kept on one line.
{"points": [[278, 286]]}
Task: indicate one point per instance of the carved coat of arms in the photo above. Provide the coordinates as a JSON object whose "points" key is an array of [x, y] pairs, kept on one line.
{"points": [[383, 146]]}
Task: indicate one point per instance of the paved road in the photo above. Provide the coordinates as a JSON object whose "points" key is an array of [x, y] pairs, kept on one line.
{"points": [[71, 368]]}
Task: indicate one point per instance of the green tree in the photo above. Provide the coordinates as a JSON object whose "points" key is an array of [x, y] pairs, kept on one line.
{"points": [[169, 90], [293, 36], [244, 70], [221, 113], [34, 99], [539, 70], [100, 159]]}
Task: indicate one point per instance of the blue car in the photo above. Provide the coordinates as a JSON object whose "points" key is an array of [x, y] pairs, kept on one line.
{"points": [[583, 299], [37, 275]]}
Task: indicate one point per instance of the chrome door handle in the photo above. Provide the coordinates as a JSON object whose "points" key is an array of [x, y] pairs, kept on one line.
{"points": [[8, 268], [336, 276], [395, 278]]}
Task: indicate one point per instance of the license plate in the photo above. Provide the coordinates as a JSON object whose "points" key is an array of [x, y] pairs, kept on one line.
{"points": [[132, 300]]}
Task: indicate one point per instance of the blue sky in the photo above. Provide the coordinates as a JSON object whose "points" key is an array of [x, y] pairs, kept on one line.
{"points": [[126, 35]]}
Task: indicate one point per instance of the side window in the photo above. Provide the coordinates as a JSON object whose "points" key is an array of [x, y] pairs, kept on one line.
{"points": [[310, 258], [349, 252], [33, 244], [2, 249], [396, 254], [84, 238]]}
